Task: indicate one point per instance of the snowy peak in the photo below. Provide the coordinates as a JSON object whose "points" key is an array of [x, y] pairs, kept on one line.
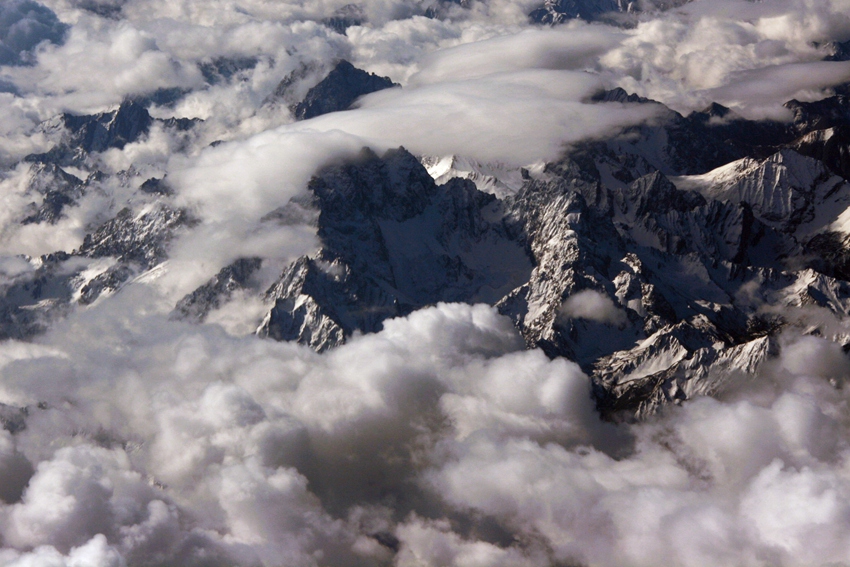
{"points": [[559, 11], [339, 90], [784, 190], [395, 186], [495, 178], [392, 241]]}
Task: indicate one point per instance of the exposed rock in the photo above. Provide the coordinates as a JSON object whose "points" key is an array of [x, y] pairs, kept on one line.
{"points": [[392, 241], [212, 295], [345, 17], [338, 91], [223, 69]]}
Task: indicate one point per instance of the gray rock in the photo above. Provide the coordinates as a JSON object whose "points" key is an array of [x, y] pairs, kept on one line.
{"points": [[338, 91]]}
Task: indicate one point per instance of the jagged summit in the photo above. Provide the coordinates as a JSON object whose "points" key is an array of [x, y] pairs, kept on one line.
{"points": [[682, 229], [839, 51], [671, 259], [99, 132], [345, 17], [558, 11], [92, 133], [619, 94], [392, 241], [338, 91], [554, 12]]}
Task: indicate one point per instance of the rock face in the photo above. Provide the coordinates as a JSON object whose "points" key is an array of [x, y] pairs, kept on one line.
{"points": [[212, 295], [48, 287], [681, 267], [82, 135], [338, 91], [663, 260], [345, 17], [120, 244], [56, 188], [392, 242], [110, 129], [559, 11]]}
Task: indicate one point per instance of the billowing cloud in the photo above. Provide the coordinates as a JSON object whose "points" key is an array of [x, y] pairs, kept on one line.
{"points": [[594, 306], [196, 444], [739, 53], [24, 25], [440, 440]]}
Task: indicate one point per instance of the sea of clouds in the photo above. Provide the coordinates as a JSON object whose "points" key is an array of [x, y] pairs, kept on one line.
{"points": [[441, 440]]}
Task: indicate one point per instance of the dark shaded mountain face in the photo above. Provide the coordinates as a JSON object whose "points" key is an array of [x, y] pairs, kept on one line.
{"points": [[338, 91], [345, 17], [659, 259], [840, 51], [115, 252], [686, 265], [94, 133], [558, 11], [554, 12], [110, 129], [674, 258], [393, 242], [222, 69]]}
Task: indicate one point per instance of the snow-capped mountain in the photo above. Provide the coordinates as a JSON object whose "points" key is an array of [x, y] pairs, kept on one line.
{"points": [[424, 283], [687, 267]]}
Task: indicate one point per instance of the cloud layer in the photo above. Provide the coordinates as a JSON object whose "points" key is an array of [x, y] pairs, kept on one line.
{"points": [[195, 446], [131, 439]]}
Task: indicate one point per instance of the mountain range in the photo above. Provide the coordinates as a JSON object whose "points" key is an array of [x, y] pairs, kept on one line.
{"points": [[662, 260]]}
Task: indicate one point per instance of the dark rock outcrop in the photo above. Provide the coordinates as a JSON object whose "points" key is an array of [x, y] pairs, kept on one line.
{"points": [[338, 91]]}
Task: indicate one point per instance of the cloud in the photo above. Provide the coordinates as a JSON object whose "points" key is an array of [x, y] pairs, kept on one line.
{"points": [[109, 64], [742, 54], [594, 306], [770, 87], [569, 48], [515, 118], [439, 440], [94, 553], [709, 483], [24, 25], [155, 463], [198, 444]]}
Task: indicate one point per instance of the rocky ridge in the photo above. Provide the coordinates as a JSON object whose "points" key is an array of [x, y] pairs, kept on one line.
{"points": [[695, 235], [553, 12]]}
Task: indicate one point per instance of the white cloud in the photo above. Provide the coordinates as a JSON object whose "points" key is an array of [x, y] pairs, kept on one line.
{"points": [[594, 306], [160, 442], [751, 56]]}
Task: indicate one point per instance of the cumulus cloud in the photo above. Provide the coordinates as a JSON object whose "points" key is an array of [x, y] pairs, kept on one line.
{"points": [[742, 54], [24, 25], [279, 439], [439, 440], [109, 64], [708, 483], [404, 446], [594, 306]]}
